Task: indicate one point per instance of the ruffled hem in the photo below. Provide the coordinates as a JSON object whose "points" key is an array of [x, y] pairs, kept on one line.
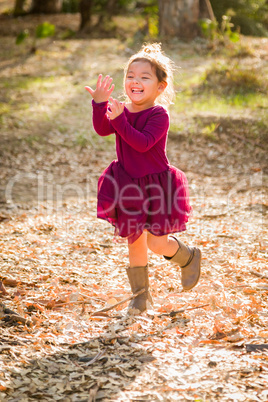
{"points": [[158, 202]]}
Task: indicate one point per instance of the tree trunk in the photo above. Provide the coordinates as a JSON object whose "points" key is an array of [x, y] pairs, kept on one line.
{"points": [[46, 6], [111, 7], [179, 18], [85, 7], [206, 10], [18, 9]]}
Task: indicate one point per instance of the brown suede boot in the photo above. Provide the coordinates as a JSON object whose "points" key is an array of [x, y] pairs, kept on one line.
{"points": [[189, 260], [139, 279]]}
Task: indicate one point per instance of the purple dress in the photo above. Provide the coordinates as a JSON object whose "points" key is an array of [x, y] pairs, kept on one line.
{"points": [[141, 190]]}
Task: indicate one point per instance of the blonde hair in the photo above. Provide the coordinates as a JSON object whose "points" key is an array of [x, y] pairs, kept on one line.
{"points": [[164, 68]]}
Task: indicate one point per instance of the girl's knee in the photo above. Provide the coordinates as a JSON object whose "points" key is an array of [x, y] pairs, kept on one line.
{"points": [[156, 244], [139, 243]]}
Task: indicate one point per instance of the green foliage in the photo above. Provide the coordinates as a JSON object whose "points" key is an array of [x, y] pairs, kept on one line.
{"points": [[209, 131], [22, 36], [250, 16], [107, 8], [150, 11], [209, 28], [124, 3], [233, 79], [70, 6], [42, 31], [4, 108], [82, 140], [32, 139], [227, 29], [68, 34], [100, 6], [148, 27], [45, 30], [212, 30]]}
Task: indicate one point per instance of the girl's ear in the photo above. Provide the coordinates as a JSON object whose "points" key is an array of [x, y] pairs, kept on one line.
{"points": [[162, 86]]}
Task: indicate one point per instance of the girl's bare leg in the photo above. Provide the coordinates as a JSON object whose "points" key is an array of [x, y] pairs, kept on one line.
{"points": [[138, 252], [163, 245]]}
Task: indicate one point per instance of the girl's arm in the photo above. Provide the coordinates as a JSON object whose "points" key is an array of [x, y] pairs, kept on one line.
{"points": [[156, 126], [101, 122]]}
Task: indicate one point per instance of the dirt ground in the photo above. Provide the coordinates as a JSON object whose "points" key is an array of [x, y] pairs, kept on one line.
{"points": [[60, 265]]}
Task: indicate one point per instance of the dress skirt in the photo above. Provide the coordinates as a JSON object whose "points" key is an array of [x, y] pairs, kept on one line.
{"points": [[158, 202]]}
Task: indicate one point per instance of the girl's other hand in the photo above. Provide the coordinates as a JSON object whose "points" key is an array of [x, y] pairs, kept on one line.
{"points": [[103, 89], [116, 108]]}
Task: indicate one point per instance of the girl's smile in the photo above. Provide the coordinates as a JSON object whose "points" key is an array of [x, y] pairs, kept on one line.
{"points": [[141, 85]]}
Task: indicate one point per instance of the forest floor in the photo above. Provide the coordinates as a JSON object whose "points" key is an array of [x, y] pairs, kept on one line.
{"points": [[60, 265]]}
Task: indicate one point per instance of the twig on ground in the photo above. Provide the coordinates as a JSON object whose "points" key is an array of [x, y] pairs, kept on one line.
{"points": [[93, 392], [118, 304], [258, 274], [214, 216], [11, 316], [174, 313], [97, 357], [103, 310], [3, 290], [4, 310], [252, 347]]}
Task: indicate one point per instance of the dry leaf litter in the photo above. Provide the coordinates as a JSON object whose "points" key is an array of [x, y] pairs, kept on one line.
{"points": [[60, 267]]}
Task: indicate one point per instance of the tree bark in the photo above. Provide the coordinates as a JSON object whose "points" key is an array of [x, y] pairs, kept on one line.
{"points": [[179, 18], [206, 10], [18, 9], [85, 7], [46, 6]]}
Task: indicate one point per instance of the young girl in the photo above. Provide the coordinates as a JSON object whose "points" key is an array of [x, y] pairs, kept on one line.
{"points": [[141, 194]]}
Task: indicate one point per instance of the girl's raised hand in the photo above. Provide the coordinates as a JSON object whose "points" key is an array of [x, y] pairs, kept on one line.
{"points": [[103, 89], [116, 108]]}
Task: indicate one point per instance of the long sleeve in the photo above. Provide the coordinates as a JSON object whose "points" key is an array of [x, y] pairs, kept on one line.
{"points": [[101, 122], [142, 141]]}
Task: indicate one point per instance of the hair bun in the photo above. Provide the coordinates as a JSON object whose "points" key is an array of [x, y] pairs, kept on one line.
{"points": [[152, 48]]}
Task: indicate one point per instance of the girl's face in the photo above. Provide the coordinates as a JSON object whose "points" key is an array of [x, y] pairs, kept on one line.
{"points": [[141, 84]]}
